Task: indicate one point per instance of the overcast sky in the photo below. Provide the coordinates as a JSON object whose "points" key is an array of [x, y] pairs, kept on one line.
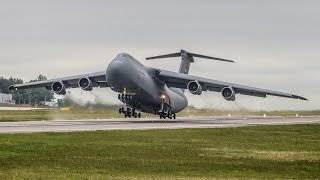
{"points": [[276, 44]]}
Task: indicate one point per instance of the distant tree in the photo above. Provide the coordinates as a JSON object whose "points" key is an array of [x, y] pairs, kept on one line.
{"points": [[15, 80], [41, 77], [4, 84], [30, 96], [38, 94]]}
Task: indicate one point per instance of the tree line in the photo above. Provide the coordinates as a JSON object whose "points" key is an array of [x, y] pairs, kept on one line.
{"points": [[26, 96]]}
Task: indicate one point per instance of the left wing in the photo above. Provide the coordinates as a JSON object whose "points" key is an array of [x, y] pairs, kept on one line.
{"points": [[97, 79], [180, 80]]}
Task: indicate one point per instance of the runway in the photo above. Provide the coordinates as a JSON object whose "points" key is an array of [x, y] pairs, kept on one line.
{"points": [[143, 124]]}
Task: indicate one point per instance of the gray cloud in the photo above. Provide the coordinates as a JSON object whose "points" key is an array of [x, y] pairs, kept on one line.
{"points": [[275, 43]]}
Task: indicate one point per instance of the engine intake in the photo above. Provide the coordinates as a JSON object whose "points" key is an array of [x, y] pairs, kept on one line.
{"points": [[59, 88], [228, 94], [194, 87], [85, 84]]}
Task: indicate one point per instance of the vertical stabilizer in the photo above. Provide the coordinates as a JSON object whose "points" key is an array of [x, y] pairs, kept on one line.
{"points": [[186, 59]]}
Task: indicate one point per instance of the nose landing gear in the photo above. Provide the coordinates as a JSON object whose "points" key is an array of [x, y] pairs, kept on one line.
{"points": [[124, 97], [129, 112]]}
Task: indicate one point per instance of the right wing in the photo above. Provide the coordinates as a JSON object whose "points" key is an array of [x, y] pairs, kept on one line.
{"points": [[98, 79], [179, 80]]}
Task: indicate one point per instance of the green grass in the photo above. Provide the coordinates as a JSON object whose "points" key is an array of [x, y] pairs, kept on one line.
{"points": [[49, 114], [24, 115], [112, 112], [290, 152]]}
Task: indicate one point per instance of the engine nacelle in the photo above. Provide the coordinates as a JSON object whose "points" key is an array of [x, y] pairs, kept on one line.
{"points": [[194, 87], [85, 84], [59, 88], [228, 94]]}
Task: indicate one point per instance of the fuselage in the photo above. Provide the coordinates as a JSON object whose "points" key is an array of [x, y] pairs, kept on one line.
{"points": [[127, 75]]}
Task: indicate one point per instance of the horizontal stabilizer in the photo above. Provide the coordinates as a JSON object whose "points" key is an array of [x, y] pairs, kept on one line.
{"points": [[208, 57], [164, 56], [190, 55]]}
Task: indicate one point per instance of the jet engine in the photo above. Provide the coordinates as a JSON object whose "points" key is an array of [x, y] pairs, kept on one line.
{"points": [[228, 94], [194, 87], [59, 88], [85, 84]]}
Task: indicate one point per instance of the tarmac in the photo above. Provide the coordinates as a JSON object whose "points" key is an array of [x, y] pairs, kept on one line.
{"points": [[144, 124]]}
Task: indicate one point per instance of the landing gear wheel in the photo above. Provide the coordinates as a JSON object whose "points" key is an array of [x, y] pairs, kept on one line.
{"points": [[133, 112], [163, 115]]}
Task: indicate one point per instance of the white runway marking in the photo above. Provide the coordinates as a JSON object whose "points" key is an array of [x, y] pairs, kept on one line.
{"points": [[143, 124]]}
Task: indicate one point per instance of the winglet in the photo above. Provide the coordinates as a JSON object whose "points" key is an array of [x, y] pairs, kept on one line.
{"points": [[299, 97], [191, 55], [12, 87]]}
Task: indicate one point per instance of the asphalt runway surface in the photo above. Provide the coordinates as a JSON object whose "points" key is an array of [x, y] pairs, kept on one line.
{"points": [[142, 124]]}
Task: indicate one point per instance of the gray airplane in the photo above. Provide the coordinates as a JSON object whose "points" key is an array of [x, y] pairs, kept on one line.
{"points": [[151, 90]]}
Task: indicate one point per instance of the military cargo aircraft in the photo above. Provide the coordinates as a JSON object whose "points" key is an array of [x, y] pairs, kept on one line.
{"points": [[152, 90]]}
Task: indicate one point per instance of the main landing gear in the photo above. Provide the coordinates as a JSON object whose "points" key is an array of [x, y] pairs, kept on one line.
{"points": [[129, 112], [123, 97], [165, 112]]}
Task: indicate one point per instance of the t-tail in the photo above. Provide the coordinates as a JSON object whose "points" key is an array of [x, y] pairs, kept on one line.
{"points": [[186, 59]]}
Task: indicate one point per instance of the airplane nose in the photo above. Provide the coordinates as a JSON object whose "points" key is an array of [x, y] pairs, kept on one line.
{"points": [[118, 74], [114, 71]]}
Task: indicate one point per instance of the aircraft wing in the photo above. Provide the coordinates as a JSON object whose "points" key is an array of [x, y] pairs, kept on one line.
{"points": [[98, 79], [180, 80]]}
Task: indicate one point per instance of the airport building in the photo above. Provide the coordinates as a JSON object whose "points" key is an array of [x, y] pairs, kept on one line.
{"points": [[5, 98]]}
